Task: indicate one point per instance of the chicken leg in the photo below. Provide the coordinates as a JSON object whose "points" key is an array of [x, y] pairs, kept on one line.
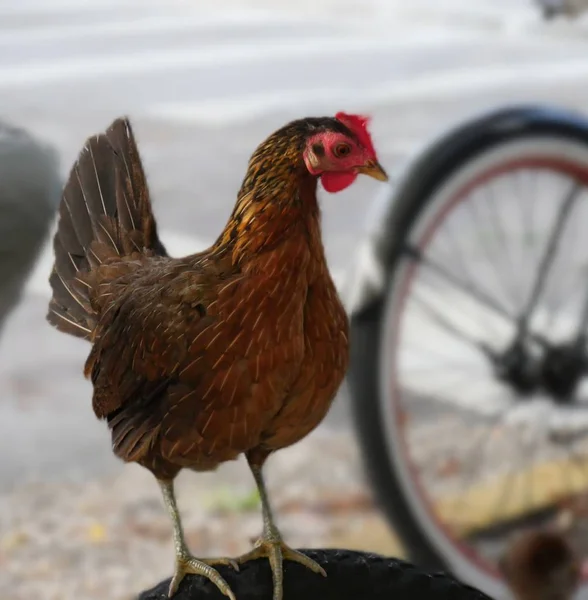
{"points": [[185, 562], [270, 545]]}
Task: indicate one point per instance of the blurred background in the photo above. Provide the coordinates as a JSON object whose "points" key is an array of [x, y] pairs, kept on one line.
{"points": [[204, 83]]}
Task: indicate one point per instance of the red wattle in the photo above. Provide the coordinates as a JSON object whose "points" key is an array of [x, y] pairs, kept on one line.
{"points": [[335, 182]]}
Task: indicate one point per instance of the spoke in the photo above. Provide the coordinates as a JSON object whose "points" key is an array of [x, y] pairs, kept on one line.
{"points": [[466, 368], [458, 305], [533, 224], [527, 201], [415, 254], [489, 256], [483, 298], [458, 254], [527, 217], [523, 459], [578, 285], [442, 389], [569, 279], [438, 356], [477, 453], [490, 201], [548, 257], [451, 381], [486, 404], [444, 323], [581, 335]]}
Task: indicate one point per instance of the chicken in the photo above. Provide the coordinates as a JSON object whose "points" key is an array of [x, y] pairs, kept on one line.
{"points": [[239, 349], [541, 565]]}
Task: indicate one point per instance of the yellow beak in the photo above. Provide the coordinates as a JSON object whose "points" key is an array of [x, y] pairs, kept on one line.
{"points": [[374, 169]]}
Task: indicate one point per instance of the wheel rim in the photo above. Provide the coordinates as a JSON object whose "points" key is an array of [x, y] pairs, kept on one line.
{"points": [[425, 481]]}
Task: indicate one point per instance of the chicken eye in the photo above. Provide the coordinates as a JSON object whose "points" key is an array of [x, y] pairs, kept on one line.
{"points": [[342, 150]]}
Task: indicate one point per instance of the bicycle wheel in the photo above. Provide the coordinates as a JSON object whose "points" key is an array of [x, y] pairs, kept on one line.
{"points": [[473, 417]]}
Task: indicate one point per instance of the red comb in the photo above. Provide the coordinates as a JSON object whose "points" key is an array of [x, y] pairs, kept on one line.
{"points": [[358, 124]]}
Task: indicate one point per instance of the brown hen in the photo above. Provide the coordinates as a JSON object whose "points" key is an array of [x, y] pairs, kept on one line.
{"points": [[237, 349]]}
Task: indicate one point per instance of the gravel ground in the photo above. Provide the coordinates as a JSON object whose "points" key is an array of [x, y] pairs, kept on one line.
{"points": [[111, 538]]}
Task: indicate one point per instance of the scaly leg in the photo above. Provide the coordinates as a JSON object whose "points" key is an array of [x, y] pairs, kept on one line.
{"points": [[270, 545], [185, 562]]}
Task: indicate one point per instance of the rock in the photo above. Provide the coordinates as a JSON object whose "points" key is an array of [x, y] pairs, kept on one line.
{"points": [[350, 576], [30, 190]]}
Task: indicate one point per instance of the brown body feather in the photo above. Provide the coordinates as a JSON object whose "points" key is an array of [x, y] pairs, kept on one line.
{"points": [[195, 360]]}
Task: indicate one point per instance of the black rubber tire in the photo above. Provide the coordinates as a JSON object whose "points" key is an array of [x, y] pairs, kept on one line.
{"points": [[450, 154], [350, 576]]}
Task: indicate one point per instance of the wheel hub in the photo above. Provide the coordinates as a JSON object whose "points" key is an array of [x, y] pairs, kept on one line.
{"points": [[561, 370], [517, 367], [556, 370]]}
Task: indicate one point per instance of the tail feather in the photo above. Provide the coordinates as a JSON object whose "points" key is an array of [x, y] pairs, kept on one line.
{"points": [[105, 215]]}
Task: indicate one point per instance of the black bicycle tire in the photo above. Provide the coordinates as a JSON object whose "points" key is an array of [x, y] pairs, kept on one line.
{"points": [[350, 576], [442, 160]]}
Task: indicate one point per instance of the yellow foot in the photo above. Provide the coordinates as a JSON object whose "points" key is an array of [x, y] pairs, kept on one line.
{"points": [[277, 552], [189, 565]]}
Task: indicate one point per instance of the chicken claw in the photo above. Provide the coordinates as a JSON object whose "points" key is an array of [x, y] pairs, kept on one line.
{"points": [[274, 548], [186, 564], [270, 545]]}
